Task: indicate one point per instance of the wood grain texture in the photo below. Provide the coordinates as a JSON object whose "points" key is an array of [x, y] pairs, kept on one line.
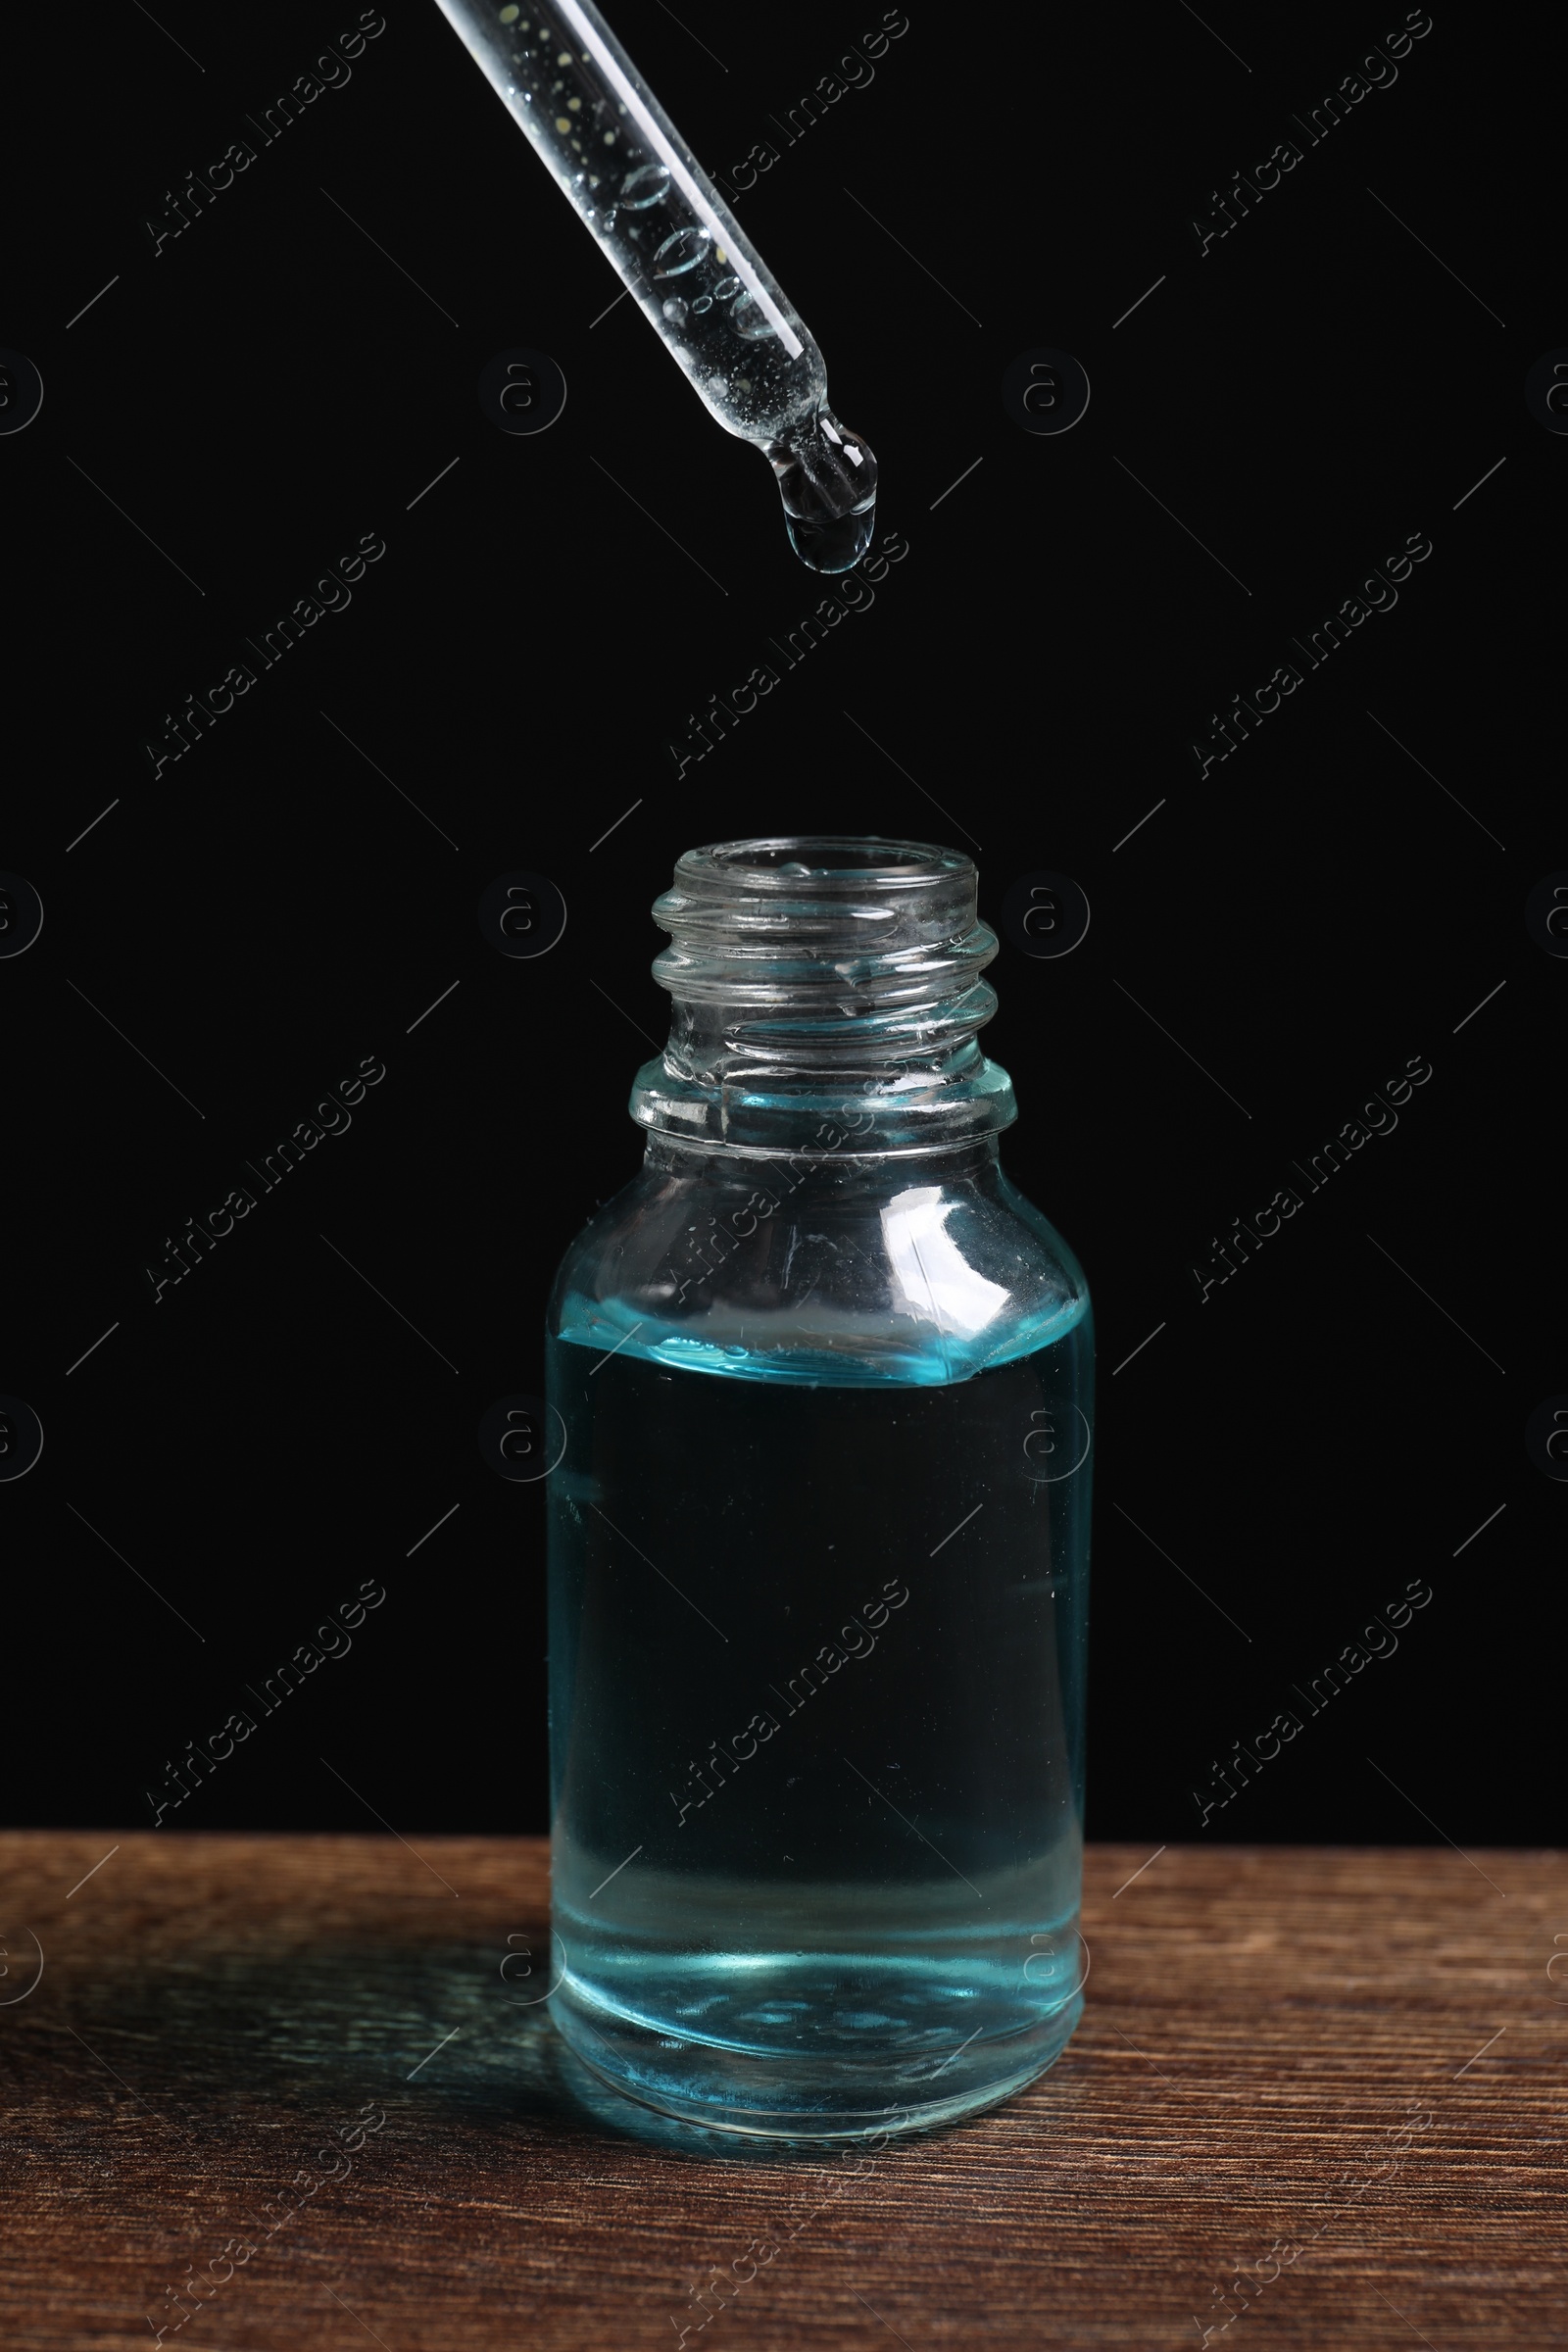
{"points": [[214, 2013]]}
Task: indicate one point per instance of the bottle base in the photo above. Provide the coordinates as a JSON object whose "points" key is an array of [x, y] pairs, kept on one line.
{"points": [[767, 2098]]}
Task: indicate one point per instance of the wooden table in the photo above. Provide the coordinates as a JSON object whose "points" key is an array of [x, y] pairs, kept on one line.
{"points": [[1337, 2074]]}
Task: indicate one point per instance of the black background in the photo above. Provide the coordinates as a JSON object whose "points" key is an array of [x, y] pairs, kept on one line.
{"points": [[268, 911]]}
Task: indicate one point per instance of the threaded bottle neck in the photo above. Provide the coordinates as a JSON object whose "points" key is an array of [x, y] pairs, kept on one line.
{"points": [[822, 980]]}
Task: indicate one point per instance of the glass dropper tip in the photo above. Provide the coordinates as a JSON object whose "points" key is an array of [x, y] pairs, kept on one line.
{"points": [[826, 477]]}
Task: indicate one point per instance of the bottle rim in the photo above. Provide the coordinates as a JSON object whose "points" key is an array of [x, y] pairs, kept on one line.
{"points": [[782, 862]]}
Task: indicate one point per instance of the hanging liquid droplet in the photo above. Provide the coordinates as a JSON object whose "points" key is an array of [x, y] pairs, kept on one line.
{"points": [[647, 184], [826, 477], [681, 252], [832, 546], [674, 310]]}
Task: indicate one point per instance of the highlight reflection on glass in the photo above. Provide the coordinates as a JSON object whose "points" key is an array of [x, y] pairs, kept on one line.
{"points": [[937, 1281]]}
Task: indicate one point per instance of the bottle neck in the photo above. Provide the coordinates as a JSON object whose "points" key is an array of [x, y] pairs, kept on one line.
{"points": [[827, 999]]}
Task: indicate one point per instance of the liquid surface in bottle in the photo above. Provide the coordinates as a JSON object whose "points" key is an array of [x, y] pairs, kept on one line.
{"points": [[817, 1773]]}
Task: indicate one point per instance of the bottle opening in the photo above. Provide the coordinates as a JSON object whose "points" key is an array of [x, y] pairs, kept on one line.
{"points": [[823, 857]]}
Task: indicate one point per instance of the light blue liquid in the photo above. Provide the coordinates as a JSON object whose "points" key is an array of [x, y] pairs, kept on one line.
{"points": [[816, 1671]]}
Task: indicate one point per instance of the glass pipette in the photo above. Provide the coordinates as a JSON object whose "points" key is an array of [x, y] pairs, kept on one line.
{"points": [[635, 185]]}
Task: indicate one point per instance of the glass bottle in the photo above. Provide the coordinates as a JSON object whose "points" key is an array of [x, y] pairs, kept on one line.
{"points": [[819, 1536]]}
